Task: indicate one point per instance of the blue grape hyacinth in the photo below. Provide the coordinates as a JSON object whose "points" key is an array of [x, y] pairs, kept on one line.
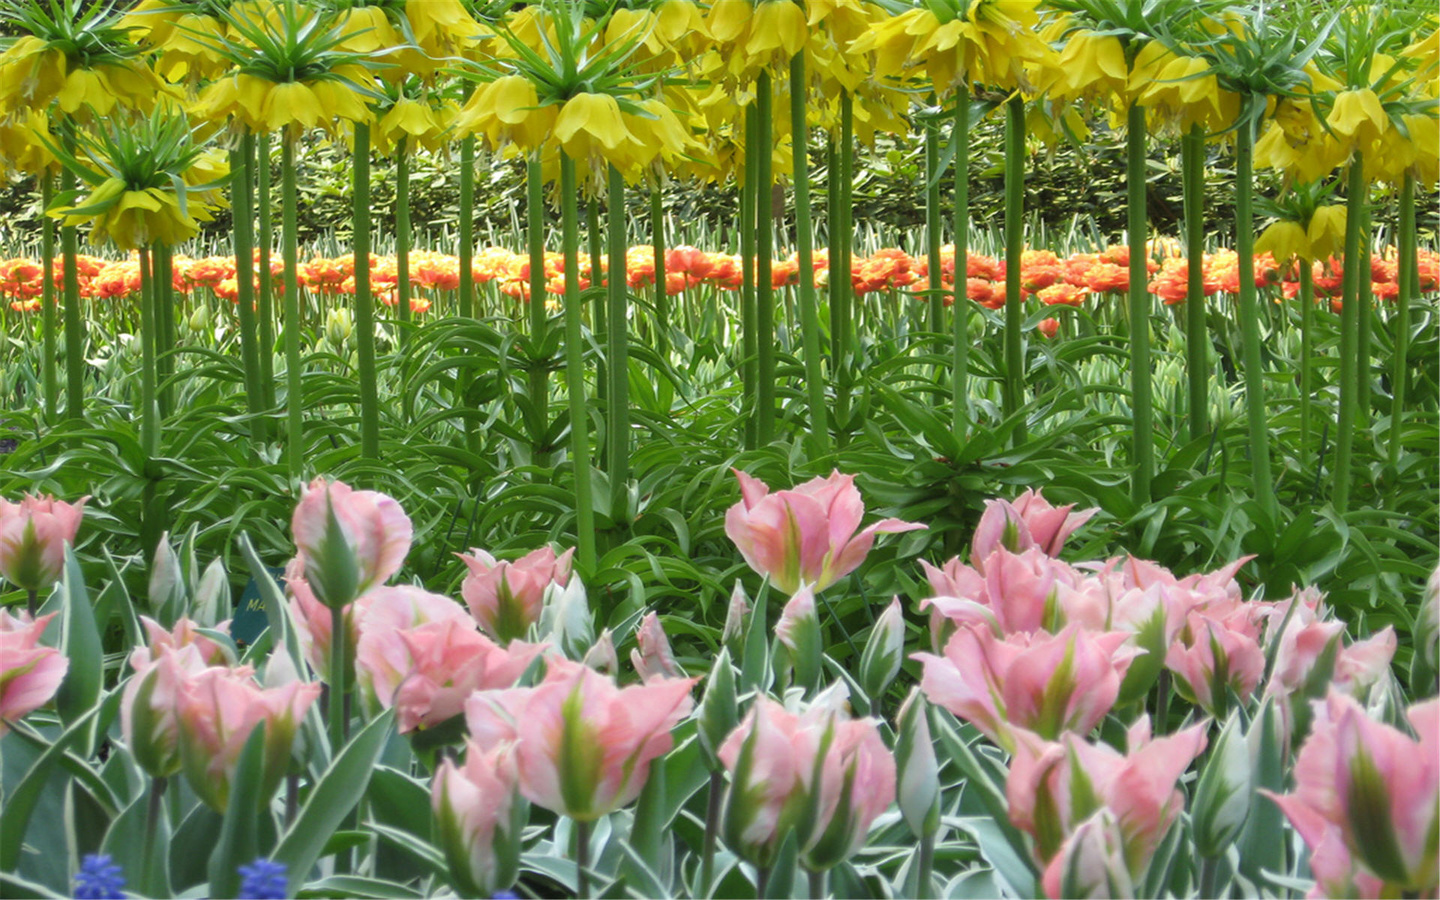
{"points": [[263, 879], [99, 878]]}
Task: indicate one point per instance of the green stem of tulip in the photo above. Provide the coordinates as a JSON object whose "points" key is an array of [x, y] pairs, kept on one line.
{"points": [[402, 238], [816, 879], [265, 238], [242, 165], [617, 352], [365, 299], [809, 307], [153, 808], [339, 680], [1307, 348], [1349, 335], [32, 602], [1141, 402], [467, 227], [749, 339], [762, 882], [294, 400], [1197, 329], [960, 308], [582, 858], [936, 302], [712, 830], [1013, 387], [575, 368], [74, 320], [48, 376], [148, 339], [1250, 322], [662, 295], [1209, 871], [535, 237], [765, 251], [1408, 284], [926, 864]]}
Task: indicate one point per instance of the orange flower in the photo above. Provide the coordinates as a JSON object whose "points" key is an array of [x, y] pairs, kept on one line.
{"points": [[1062, 294]]}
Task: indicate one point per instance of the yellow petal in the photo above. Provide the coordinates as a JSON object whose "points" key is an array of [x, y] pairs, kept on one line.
{"points": [[598, 115]]}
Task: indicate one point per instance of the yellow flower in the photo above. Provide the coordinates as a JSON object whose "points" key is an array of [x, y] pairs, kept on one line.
{"points": [[31, 74], [292, 103], [590, 125], [1327, 231], [1093, 66], [439, 25], [21, 149], [367, 29], [1284, 240], [777, 26], [1358, 118]]}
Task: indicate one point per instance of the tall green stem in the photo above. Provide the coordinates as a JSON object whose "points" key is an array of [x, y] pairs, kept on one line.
{"points": [[1197, 327], [582, 859], [339, 680], [1013, 387], [749, 338], [74, 321], [712, 829], [49, 321], [765, 251], [365, 299], [1141, 402], [926, 865], [402, 237], [165, 325], [575, 367], [809, 307], [539, 382], [662, 294], [936, 303], [841, 239], [242, 165], [1255, 413], [1349, 335], [1408, 289], [617, 352], [149, 420], [290, 237], [265, 237], [960, 308], [1307, 348], [1365, 299], [467, 226]]}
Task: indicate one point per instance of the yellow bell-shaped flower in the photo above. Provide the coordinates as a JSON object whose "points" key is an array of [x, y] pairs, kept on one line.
{"points": [[590, 125], [1326, 232], [1358, 118], [1284, 240]]}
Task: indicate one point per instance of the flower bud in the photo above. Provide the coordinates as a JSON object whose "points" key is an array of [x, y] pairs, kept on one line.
{"points": [[199, 320], [167, 581], [880, 662], [33, 535], [602, 656], [918, 790], [735, 615], [349, 540], [566, 620], [1222, 798], [719, 710], [339, 325], [479, 818], [798, 633], [652, 657]]}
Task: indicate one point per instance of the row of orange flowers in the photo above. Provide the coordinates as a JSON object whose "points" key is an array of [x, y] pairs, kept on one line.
{"points": [[1049, 278]]}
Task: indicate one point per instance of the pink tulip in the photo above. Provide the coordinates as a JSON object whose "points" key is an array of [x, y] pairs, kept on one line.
{"points": [[1365, 663], [652, 657], [422, 654], [806, 534], [217, 709], [183, 634], [1091, 862], [1013, 592], [478, 821], [147, 708], [1054, 787], [582, 746], [506, 597], [1212, 660], [33, 535], [864, 789], [1027, 521], [1048, 684], [1374, 785], [349, 540], [29, 674]]}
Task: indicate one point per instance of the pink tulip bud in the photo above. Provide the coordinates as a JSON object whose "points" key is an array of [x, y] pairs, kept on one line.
{"points": [[1047, 684], [1027, 521], [884, 650], [918, 789], [602, 656], [350, 541], [652, 657], [798, 632], [735, 615], [314, 621], [29, 673], [582, 746], [33, 535], [1091, 862], [1214, 661], [806, 534], [147, 708], [217, 709], [506, 597], [420, 653], [864, 788], [1374, 785], [479, 820]]}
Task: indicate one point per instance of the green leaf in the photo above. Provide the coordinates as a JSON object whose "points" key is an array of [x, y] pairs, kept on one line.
{"points": [[80, 642], [355, 886], [332, 799], [239, 842], [125, 842], [15, 815]]}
